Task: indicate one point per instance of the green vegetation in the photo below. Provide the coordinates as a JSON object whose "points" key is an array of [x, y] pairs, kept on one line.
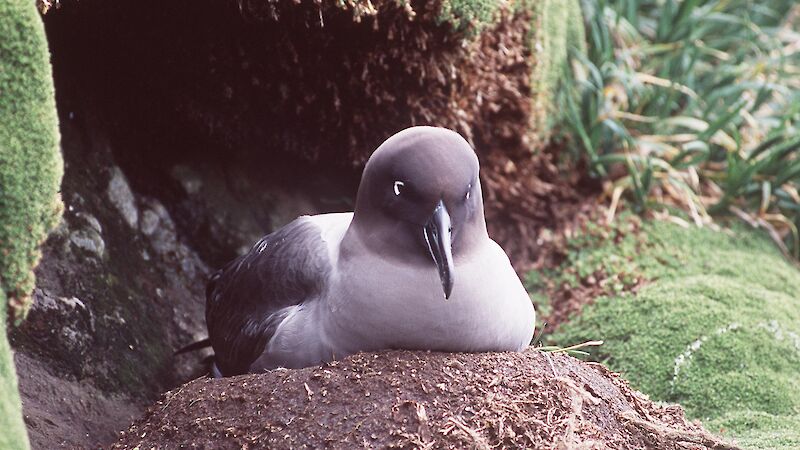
{"points": [[471, 15], [468, 16], [757, 430], [30, 174], [693, 103], [13, 435], [717, 329], [555, 31], [30, 162]]}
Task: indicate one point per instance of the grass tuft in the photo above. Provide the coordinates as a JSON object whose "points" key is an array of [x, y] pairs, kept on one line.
{"points": [[693, 103]]}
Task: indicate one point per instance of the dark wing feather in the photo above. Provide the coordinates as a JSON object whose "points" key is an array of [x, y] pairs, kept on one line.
{"points": [[245, 300]]}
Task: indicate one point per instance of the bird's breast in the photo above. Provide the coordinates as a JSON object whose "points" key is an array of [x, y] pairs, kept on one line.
{"points": [[375, 304]]}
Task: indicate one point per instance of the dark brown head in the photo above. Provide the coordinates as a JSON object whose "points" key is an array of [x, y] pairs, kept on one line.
{"points": [[420, 199]]}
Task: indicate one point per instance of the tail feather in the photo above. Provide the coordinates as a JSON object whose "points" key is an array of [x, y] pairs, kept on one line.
{"points": [[194, 346], [215, 373]]}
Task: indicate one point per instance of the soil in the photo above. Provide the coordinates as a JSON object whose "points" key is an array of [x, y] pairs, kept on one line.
{"points": [[401, 399], [63, 413]]}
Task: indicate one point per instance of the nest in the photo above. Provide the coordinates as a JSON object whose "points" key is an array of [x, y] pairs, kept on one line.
{"points": [[402, 399]]}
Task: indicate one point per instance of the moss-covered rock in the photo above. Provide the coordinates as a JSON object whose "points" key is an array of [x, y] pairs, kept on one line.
{"points": [[30, 162], [13, 435], [716, 329], [30, 174]]}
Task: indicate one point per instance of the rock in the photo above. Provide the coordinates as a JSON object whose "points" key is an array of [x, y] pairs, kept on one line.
{"points": [[64, 321], [189, 261], [121, 196], [91, 221], [88, 237], [88, 240], [149, 222], [189, 179], [157, 224]]}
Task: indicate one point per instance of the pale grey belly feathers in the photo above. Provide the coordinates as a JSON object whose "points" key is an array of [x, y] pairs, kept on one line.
{"points": [[365, 303]]}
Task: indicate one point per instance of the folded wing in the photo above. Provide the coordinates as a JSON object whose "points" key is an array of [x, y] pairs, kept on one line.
{"points": [[248, 298]]}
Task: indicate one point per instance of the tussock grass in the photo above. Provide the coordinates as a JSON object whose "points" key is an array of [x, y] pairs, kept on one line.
{"points": [[693, 103]]}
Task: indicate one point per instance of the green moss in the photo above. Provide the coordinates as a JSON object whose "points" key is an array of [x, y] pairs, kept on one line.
{"points": [[622, 262], [758, 430], [30, 174], [469, 15], [717, 329], [30, 162], [13, 434]]}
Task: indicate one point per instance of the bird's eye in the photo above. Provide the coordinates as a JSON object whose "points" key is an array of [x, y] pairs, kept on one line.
{"points": [[398, 187], [469, 189]]}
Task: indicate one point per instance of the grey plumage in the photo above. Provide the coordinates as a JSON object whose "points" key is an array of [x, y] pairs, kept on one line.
{"points": [[248, 298], [326, 286]]}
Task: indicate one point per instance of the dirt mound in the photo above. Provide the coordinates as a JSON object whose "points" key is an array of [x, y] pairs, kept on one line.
{"points": [[419, 400]]}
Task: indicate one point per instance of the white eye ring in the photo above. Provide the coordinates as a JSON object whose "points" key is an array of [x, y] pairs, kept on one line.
{"points": [[397, 186], [469, 189]]}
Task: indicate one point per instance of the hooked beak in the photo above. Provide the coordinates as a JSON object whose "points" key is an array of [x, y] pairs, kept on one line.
{"points": [[438, 238]]}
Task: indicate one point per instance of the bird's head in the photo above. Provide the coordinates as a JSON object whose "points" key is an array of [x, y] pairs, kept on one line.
{"points": [[420, 199]]}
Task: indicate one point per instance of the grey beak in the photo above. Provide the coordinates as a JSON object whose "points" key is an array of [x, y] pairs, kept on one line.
{"points": [[438, 237]]}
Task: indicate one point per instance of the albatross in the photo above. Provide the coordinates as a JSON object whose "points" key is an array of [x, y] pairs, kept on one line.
{"points": [[412, 267]]}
